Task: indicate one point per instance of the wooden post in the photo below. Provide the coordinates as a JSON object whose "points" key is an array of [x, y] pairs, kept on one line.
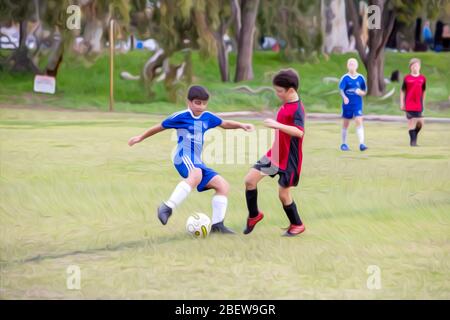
{"points": [[111, 65]]}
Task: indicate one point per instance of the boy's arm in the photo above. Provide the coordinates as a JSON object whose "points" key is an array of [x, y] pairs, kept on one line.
{"points": [[290, 130], [229, 124], [402, 96], [363, 91], [344, 97], [341, 91], [150, 132]]}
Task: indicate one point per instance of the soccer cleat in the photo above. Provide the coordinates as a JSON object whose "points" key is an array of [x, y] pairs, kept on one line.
{"points": [[219, 227], [251, 222], [344, 147], [164, 212], [362, 147], [294, 230]]}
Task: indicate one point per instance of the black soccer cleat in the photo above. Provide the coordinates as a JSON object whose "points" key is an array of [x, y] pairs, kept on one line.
{"points": [[164, 212], [219, 227]]}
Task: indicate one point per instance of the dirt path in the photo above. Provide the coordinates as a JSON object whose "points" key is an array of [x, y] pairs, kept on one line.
{"points": [[250, 115]]}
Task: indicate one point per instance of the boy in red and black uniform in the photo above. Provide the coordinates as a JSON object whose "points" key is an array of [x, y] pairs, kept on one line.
{"points": [[284, 158], [412, 97]]}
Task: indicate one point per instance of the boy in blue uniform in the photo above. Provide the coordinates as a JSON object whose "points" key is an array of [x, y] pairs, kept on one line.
{"points": [[352, 88], [191, 125]]}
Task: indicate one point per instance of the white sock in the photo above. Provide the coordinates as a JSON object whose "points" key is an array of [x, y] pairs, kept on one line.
{"points": [[344, 136], [360, 133], [180, 193], [219, 206]]}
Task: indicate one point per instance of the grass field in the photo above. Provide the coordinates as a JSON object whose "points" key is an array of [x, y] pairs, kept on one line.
{"points": [[86, 86], [73, 193]]}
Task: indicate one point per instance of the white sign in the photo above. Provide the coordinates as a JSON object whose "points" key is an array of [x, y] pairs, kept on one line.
{"points": [[44, 84]]}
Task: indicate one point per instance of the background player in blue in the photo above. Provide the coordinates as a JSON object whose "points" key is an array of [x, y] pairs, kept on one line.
{"points": [[191, 125], [352, 88]]}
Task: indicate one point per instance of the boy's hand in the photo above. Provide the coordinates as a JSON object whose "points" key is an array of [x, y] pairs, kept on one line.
{"points": [[346, 100], [359, 92], [248, 127], [270, 123], [134, 140], [402, 107]]}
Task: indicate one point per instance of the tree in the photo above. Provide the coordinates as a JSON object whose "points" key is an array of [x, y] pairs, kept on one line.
{"points": [[247, 10], [214, 19], [372, 54], [299, 33]]}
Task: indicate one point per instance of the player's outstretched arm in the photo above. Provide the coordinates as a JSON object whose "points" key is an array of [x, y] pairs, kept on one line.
{"points": [[150, 132], [229, 124], [290, 130]]}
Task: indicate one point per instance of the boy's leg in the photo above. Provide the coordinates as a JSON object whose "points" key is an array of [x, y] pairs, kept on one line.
{"points": [[180, 193], [345, 125], [419, 126], [219, 204], [412, 123], [251, 192], [360, 132], [251, 196], [290, 208]]}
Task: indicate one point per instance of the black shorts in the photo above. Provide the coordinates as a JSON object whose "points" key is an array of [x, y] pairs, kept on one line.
{"points": [[413, 114], [287, 178]]}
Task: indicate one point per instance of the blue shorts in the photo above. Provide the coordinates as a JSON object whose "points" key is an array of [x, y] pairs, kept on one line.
{"points": [[186, 165], [350, 111]]}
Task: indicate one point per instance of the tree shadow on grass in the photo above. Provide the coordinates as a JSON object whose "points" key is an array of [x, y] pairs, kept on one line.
{"points": [[134, 244]]}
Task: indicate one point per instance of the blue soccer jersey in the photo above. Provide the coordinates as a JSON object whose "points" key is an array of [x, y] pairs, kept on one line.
{"points": [[349, 84], [190, 133]]}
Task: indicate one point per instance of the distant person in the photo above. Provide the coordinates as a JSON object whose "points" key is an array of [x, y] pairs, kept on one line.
{"points": [[412, 99], [438, 36], [353, 88], [427, 34], [446, 38], [395, 76]]}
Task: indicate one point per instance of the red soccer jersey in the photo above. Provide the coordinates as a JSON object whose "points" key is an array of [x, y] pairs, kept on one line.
{"points": [[414, 88], [286, 152]]}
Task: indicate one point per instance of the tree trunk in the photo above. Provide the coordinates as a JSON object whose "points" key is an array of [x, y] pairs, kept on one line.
{"points": [[372, 55], [19, 60], [334, 26], [222, 57], [244, 68], [375, 76], [55, 57]]}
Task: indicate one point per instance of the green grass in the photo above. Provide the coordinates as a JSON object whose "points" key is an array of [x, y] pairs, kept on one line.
{"points": [[86, 86], [73, 193]]}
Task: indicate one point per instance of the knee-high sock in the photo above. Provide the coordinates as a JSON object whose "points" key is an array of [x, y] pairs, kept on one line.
{"points": [[413, 137], [219, 208], [292, 214], [252, 202], [180, 193], [344, 136], [360, 133]]}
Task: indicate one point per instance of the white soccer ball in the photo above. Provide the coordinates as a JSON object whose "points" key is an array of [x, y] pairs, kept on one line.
{"points": [[198, 225]]}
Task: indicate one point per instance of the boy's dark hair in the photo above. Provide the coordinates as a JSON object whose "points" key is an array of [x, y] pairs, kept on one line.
{"points": [[198, 93], [286, 79]]}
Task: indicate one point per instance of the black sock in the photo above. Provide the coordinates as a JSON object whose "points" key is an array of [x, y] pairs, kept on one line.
{"points": [[252, 202], [292, 213], [413, 137]]}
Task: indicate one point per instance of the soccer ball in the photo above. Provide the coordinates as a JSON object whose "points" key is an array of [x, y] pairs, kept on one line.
{"points": [[198, 225]]}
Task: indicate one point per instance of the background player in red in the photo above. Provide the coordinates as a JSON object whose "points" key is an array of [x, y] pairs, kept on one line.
{"points": [[412, 99], [284, 158]]}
